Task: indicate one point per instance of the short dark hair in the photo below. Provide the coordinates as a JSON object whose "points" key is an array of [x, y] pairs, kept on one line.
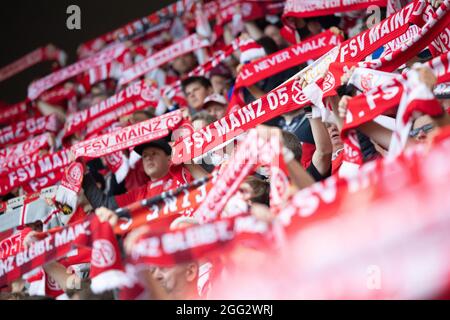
{"points": [[260, 188], [268, 44], [205, 116], [201, 80], [292, 142], [149, 113]]}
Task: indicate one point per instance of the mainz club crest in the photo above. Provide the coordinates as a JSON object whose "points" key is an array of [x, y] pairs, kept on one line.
{"points": [[297, 93], [103, 254], [328, 83], [75, 173], [366, 81]]}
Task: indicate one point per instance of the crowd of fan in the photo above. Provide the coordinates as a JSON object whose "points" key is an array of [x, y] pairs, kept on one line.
{"points": [[313, 151]]}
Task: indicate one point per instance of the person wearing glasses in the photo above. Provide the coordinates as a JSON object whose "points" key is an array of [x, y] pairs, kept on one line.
{"points": [[422, 127]]}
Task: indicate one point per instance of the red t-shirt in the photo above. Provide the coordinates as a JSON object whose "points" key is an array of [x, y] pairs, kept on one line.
{"points": [[136, 177], [337, 160], [177, 176]]}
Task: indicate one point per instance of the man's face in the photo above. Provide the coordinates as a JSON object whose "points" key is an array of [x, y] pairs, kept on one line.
{"points": [[314, 27], [335, 136], [184, 64], [196, 94], [219, 84], [175, 280], [216, 110], [299, 23], [274, 33], [138, 117], [155, 162]]}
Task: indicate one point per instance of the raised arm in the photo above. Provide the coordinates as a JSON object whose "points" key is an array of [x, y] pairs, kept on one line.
{"points": [[324, 149]]}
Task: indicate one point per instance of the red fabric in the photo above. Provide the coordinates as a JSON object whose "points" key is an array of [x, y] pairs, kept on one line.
{"points": [[38, 87], [162, 215], [160, 58], [279, 61], [315, 8], [137, 91], [13, 244], [58, 242], [37, 277], [52, 288], [21, 175], [20, 131], [47, 180], [136, 177], [124, 138], [177, 176], [14, 112], [308, 150], [337, 162]]}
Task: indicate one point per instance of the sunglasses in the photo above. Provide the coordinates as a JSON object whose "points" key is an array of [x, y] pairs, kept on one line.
{"points": [[426, 128]]}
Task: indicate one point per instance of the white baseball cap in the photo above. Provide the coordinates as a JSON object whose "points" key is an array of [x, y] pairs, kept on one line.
{"points": [[217, 98]]}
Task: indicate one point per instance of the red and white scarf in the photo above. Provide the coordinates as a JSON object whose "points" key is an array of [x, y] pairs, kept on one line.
{"points": [[249, 10], [286, 98], [106, 265], [251, 153], [103, 122], [139, 90], [110, 70], [363, 44], [19, 176], [47, 53], [183, 204], [50, 179], [414, 13], [40, 86], [284, 59], [290, 96], [417, 99], [314, 8], [8, 166], [186, 45], [409, 94], [441, 67], [58, 95], [22, 130], [25, 148], [135, 27], [15, 112], [168, 248], [127, 137], [118, 164]]}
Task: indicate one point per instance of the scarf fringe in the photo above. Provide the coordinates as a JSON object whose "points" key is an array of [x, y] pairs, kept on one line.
{"points": [[110, 280]]}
